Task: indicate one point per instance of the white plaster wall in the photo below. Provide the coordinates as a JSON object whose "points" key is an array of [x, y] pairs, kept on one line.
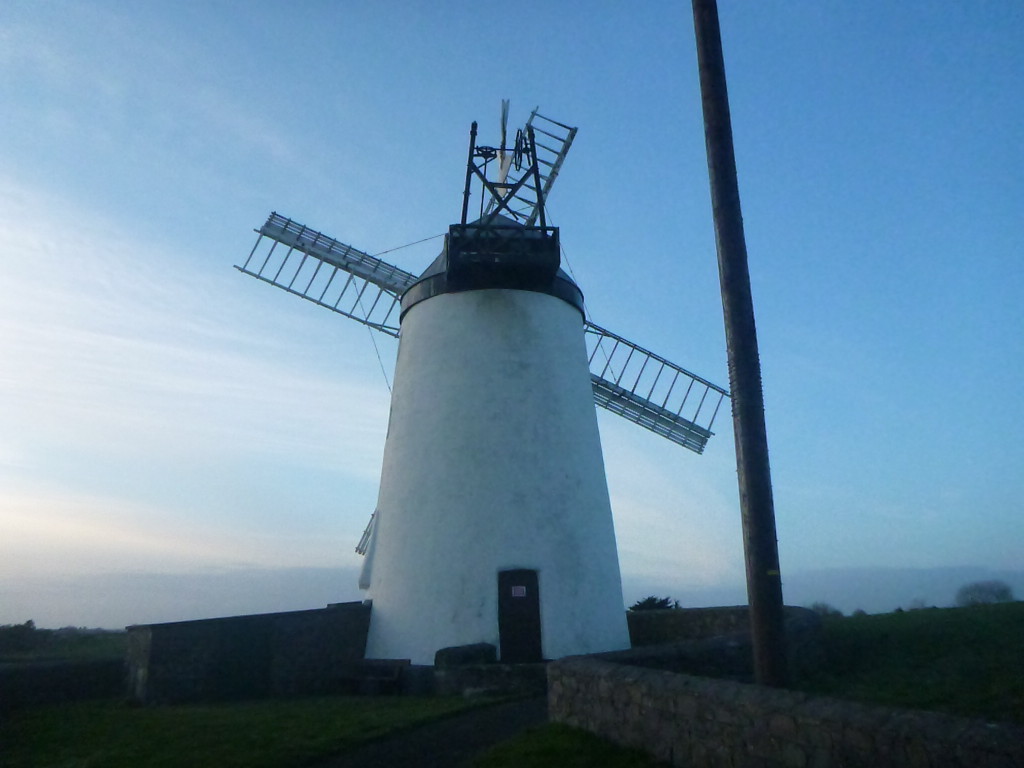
{"points": [[492, 461]]}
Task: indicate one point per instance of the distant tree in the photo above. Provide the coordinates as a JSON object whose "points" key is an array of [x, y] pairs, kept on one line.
{"points": [[983, 593], [824, 609], [652, 603], [859, 612], [917, 604], [22, 637]]}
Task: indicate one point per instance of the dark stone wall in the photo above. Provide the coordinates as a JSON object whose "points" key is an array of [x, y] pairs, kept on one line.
{"points": [[715, 642], [676, 624], [688, 721], [275, 654]]}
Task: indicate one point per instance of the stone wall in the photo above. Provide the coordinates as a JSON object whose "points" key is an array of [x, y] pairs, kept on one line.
{"points": [[715, 642], [674, 624], [689, 721], [274, 654]]}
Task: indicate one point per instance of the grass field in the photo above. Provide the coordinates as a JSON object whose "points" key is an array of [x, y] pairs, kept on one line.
{"points": [[259, 734], [965, 661]]}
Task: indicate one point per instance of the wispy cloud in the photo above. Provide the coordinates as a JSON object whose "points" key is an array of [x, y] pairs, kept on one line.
{"points": [[117, 381], [99, 345], [118, 63], [47, 533]]}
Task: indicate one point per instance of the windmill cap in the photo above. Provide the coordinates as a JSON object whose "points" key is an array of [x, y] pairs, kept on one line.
{"points": [[496, 252]]}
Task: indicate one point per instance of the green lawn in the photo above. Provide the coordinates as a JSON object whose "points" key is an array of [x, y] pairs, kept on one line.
{"points": [[965, 661], [258, 734]]}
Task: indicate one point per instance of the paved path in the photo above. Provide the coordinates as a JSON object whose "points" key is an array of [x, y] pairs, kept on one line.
{"points": [[449, 742]]}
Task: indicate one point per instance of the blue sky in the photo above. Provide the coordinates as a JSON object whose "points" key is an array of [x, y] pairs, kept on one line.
{"points": [[164, 418]]}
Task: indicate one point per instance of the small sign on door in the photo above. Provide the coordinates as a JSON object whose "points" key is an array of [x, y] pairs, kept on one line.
{"points": [[518, 591]]}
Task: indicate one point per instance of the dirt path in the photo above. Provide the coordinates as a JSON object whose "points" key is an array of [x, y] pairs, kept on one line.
{"points": [[450, 742]]}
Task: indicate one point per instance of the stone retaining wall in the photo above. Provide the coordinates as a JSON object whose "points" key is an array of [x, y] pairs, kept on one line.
{"points": [[691, 721], [671, 625], [715, 642]]}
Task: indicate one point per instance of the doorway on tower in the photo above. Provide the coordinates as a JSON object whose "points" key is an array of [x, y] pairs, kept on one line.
{"points": [[519, 616]]}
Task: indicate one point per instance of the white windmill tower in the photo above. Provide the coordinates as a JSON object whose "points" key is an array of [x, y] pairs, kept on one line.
{"points": [[493, 521]]}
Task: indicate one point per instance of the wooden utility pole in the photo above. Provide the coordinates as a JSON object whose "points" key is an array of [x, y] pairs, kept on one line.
{"points": [[760, 547]]}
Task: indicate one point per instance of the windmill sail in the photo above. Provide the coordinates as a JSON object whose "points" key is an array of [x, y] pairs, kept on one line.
{"points": [[551, 151], [330, 273], [650, 391], [552, 144], [628, 380]]}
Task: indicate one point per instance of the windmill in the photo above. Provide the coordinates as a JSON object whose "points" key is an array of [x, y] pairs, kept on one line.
{"points": [[493, 522]]}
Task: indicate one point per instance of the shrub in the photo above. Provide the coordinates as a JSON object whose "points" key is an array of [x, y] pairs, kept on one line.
{"points": [[652, 603], [20, 638], [824, 609], [984, 593]]}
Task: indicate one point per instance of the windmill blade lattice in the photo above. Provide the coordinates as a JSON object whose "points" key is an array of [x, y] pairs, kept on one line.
{"points": [[551, 157], [650, 391], [552, 143], [328, 272]]}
